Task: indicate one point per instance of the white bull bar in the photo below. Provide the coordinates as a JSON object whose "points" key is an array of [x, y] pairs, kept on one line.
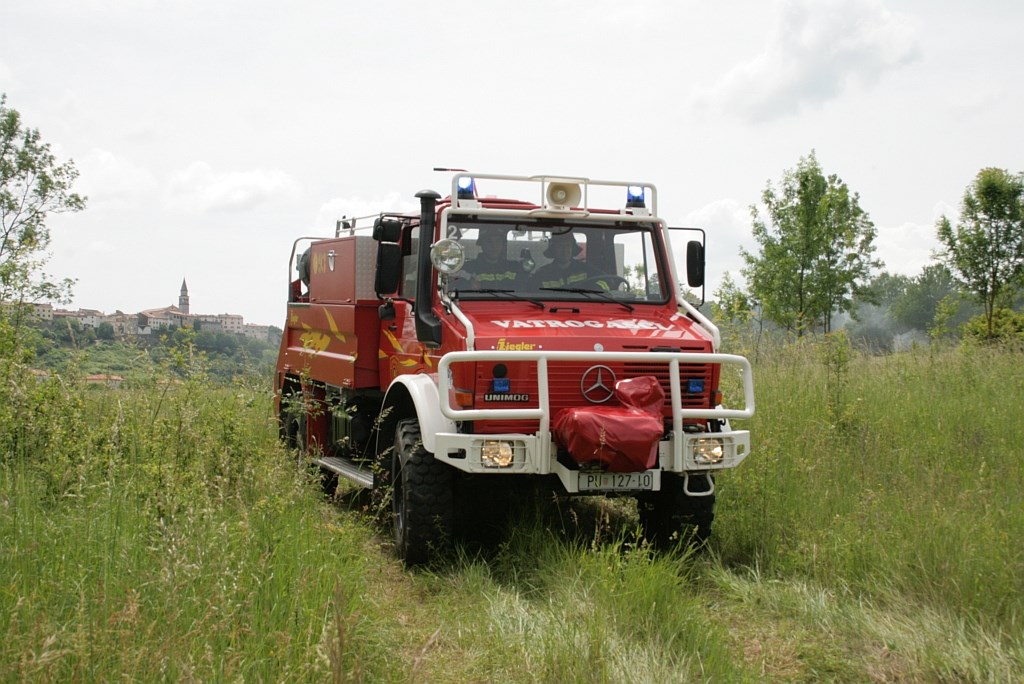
{"points": [[539, 446]]}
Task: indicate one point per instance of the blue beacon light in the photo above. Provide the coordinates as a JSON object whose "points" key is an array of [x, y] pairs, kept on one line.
{"points": [[635, 196], [466, 188]]}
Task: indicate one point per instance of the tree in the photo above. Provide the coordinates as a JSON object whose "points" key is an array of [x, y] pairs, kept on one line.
{"points": [[732, 304], [1005, 325], [32, 186], [815, 249], [985, 251], [916, 308]]}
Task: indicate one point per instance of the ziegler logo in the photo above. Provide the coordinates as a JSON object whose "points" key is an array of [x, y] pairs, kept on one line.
{"points": [[504, 345], [620, 324], [506, 397]]}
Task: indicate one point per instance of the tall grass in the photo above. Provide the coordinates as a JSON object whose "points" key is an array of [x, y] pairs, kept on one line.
{"points": [[159, 531], [890, 476], [552, 607]]}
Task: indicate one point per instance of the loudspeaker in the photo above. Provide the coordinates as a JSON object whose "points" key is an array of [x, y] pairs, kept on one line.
{"points": [[563, 195]]}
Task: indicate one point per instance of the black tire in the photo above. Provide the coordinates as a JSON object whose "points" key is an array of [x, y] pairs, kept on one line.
{"points": [[422, 510], [672, 516], [293, 429], [484, 506]]}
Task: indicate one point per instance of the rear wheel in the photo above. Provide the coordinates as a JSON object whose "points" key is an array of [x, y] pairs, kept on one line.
{"points": [[672, 515], [422, 513], [294, 427], [292, 419]]}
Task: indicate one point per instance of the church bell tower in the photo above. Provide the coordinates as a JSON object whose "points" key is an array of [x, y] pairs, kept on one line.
{"points": [[183, 297]]}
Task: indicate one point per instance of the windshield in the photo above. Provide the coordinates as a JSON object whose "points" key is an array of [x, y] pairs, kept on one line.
{"points": [[555, 260]]}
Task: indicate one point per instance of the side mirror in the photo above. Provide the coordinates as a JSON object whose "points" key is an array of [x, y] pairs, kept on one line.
{"points": [[389, 268], [694, 264], [387, 230]]}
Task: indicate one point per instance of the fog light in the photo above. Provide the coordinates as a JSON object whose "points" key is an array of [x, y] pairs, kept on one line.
{"points": [[707, 451], [496, 454]]}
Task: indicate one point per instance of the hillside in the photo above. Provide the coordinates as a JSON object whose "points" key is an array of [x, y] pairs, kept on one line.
{"points": [[225, 355]]}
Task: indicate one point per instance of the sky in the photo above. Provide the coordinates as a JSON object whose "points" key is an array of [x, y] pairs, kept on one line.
{"points": [[211, 134]]}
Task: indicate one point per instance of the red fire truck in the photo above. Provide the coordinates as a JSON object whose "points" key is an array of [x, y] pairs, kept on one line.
{"points": [[484, 342]]}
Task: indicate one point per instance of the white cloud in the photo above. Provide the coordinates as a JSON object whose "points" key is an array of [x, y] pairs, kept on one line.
{"points": [[726, 223], [102, 247], [907, 248], [109, 180], [198, 188], [7, 81], [944, 209], [817, 49], [336, 208]]}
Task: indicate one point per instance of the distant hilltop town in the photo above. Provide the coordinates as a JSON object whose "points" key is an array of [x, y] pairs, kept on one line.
{"points": [[153, 321]]}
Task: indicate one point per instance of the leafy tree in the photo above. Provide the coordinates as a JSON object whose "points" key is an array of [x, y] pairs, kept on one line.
{"points": [[889, 287], [816, 249], [105, 331], [32, 186], [206, 340], [915, 309], [985, 251], [69, 331], [732, 304], [1005, 325], [738, 317]]}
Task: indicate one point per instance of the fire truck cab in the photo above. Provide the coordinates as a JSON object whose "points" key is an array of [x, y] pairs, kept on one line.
{"points": [[485, 342]]}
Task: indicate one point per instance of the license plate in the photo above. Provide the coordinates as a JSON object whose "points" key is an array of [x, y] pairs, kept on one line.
{"points": [[615, 482]]}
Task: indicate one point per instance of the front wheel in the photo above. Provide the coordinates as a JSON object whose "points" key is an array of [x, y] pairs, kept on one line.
{"points": [[422, 510], [672, 515]]}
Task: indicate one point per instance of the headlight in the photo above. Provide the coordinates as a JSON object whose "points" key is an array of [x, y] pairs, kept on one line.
{"points": [[708, 451], [447, 256], [496, 454]]}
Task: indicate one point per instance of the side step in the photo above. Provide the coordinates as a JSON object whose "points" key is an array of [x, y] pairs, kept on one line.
{"points": [[347, 469]]}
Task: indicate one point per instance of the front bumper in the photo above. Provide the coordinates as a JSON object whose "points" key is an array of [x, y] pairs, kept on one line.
{"points": [[536, 454]]}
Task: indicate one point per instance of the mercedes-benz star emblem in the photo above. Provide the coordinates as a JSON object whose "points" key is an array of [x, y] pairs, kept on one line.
{"points": [[598, 384]]}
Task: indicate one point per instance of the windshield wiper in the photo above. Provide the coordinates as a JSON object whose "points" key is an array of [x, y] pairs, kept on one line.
{"points": [[512, 295], [582, 290]]}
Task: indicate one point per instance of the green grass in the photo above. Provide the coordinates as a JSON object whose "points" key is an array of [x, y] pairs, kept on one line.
{"points": [[159, 532], [911, 484], [163, 534], [550, 605]]}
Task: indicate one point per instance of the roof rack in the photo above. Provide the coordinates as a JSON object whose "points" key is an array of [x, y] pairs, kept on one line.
{"points": [[557, 194]]}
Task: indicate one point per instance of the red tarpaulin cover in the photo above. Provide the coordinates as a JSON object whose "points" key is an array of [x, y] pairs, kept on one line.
{"points": [[623, 439]]}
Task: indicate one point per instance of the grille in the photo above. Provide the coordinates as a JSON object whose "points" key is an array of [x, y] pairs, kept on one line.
{"points": [[564, 383]]}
